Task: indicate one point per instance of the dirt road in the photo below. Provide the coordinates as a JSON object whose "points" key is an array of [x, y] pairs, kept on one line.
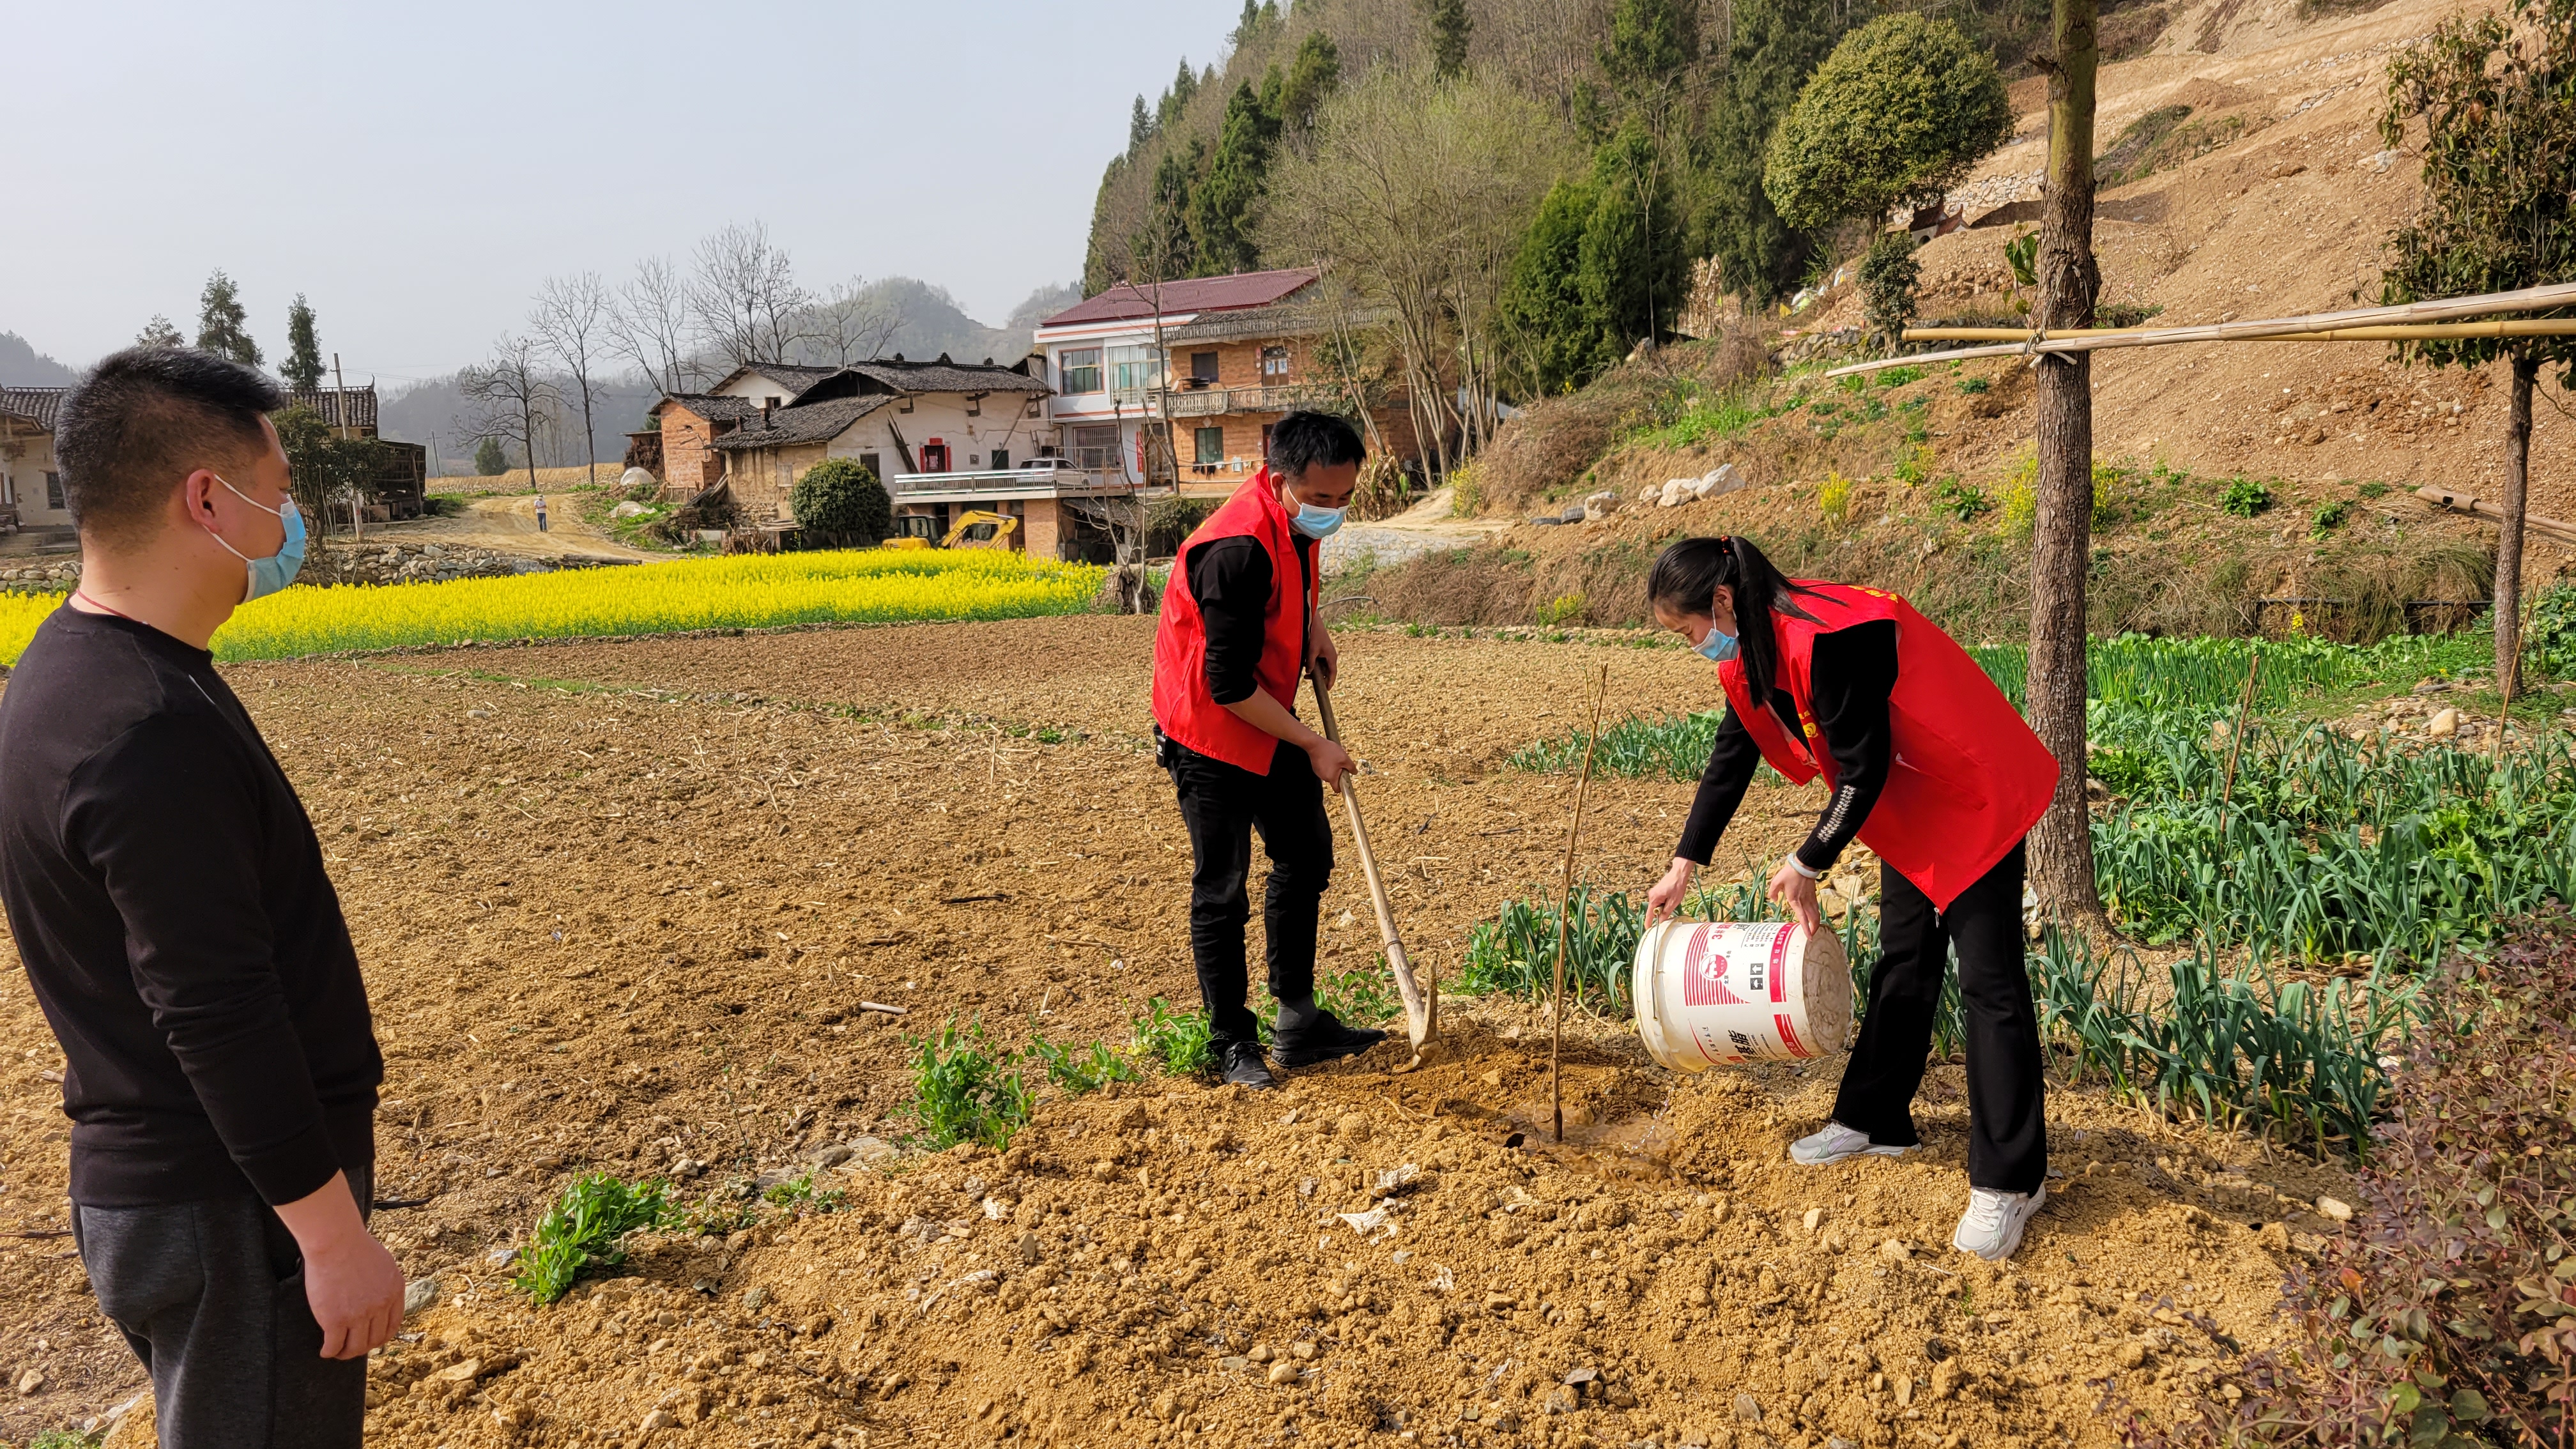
{"points": [[508, 524]]}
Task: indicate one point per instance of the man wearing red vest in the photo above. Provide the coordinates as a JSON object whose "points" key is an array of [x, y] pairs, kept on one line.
{"points": [[1239, 630], [1931, 767]]}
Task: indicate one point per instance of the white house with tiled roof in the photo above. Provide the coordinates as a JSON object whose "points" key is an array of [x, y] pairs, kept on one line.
{"points": [[31, 483]]}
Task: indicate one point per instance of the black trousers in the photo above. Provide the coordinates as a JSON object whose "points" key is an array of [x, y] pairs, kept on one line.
{"points": [[1223, 805], [2007, 1113], [211, 1297]]}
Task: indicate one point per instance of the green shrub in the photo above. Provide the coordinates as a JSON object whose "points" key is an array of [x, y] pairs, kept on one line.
{"points": [[803, 1194], [964, 1091], [1974, 385], [838, 501], [1181, 1041], [1888, 274], [581, 1232], [2244, 497], [1962, 500], [1902, 110], [2328, 518], [1563, 609], [2442, 1316]]}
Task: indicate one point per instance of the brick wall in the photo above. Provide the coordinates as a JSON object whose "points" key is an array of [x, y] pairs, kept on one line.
{"points": [[689, 466]]}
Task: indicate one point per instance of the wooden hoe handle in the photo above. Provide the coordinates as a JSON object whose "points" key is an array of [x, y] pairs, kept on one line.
{"points": [[1421, 1013]]}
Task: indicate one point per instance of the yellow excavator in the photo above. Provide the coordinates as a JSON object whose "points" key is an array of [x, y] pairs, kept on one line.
{"points": [[975, 528]]}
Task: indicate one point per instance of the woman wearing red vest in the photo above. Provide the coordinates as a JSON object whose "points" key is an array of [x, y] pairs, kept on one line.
{"points": [[1932, 768], [1239, 630]]}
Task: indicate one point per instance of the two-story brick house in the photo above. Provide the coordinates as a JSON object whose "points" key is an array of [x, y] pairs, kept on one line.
{"points": [[1181, 383]]}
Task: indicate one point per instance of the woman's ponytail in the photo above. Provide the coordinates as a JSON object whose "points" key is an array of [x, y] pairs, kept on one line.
{"points": [[1688, 575]]}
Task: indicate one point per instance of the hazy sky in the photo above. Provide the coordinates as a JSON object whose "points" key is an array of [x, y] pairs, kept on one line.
{"points": [[417, 169]]}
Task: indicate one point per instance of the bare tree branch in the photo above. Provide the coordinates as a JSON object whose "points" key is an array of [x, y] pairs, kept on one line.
{"points": [[509, 398], [648, 324], [571, 320], [743, 299]]}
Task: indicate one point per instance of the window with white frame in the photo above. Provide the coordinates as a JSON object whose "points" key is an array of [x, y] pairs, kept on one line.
{"points": [[1132, 369], [1079, 370]]}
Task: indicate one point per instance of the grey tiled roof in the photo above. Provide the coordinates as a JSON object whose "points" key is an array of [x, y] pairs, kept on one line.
{"points": [[945, 376], [716, 407], [811, 423], [328, 402], [32, 404]]}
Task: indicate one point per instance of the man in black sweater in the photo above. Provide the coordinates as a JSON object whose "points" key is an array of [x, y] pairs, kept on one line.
{"points": [[176, 924]]}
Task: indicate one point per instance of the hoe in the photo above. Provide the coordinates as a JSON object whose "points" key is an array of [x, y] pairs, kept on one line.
{"points": [[1421, 1009]]}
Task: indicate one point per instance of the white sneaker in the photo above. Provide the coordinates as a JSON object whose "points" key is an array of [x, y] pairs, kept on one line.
{"points": [[1991, 1227], [1836, 1143]]}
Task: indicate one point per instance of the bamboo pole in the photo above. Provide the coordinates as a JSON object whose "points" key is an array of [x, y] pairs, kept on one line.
{"points": [[1564, 905], [2528, 299], [2398, 332]]}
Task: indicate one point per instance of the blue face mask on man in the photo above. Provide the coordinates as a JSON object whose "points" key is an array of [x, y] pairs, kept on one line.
{"points": [[1316, 523], [1717, 648], [270, 574]]}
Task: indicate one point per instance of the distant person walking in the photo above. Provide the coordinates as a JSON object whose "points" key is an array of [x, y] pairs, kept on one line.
{"points": [[541, 513], [181, 935]]}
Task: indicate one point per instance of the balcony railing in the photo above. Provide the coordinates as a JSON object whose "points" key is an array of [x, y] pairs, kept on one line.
{"points": [[1210, 401], [1004, 480]]}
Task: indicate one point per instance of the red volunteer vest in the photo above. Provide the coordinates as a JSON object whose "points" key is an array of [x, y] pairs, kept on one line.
{"points": [[1969, 778], [1183, 706]]}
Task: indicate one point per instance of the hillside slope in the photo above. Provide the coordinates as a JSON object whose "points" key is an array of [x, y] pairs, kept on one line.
{"points": [[2284, 213]]}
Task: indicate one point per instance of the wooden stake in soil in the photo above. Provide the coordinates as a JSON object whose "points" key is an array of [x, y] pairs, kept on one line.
{"points": [[1565, 904], [1421, 1014]]}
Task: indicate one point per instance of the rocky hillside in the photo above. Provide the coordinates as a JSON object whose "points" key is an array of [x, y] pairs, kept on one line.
{"points": [[2254, 184]]}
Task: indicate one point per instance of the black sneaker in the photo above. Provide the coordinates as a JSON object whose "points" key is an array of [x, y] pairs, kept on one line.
{"points": [[1324, 1040], [1244, 1067]]}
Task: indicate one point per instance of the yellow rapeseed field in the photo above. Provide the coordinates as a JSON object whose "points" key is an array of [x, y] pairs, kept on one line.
{"points": [[750, 592]]}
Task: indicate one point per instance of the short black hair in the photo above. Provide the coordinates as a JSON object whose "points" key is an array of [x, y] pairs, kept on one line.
{"points": [[1301, 440], [147, 417]]}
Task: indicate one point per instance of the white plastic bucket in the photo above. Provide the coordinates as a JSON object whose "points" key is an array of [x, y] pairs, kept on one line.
{"points": [[1731, 991]]}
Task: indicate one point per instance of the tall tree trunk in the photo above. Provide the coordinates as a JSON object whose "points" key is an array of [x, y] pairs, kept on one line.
{"points": [[2061, 854], [2517, 492]]}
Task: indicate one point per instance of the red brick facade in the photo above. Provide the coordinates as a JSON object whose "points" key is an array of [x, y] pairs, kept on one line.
{"points": [[1239, 367], [689, 466]]}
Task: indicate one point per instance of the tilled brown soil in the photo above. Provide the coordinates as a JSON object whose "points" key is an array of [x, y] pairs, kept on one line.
{"points": [[619, 905]]}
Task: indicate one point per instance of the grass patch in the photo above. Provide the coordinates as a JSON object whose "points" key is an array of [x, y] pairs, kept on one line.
{"points": [[1178, 1040], [1077, 1073], [963, 1090], [582, 1232]]}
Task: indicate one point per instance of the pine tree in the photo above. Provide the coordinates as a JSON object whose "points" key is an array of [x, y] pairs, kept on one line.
{"points": [[1555, 334], [159, 333], [1164, 249], [1221, 205], [1450, 27], [489, 460], [303, 367], [1652, 42], [1140, 127], [1312, 78], [1632, 260], [222, 327], [1177, 99], [1776, 45]]}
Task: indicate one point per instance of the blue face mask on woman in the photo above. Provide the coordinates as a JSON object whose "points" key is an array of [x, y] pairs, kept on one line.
{"points": [[270, 574], [1316, 523], [1717, 648]]}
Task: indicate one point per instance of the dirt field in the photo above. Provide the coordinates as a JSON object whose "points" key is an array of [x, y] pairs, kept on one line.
{"points": [[619, 904]]}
